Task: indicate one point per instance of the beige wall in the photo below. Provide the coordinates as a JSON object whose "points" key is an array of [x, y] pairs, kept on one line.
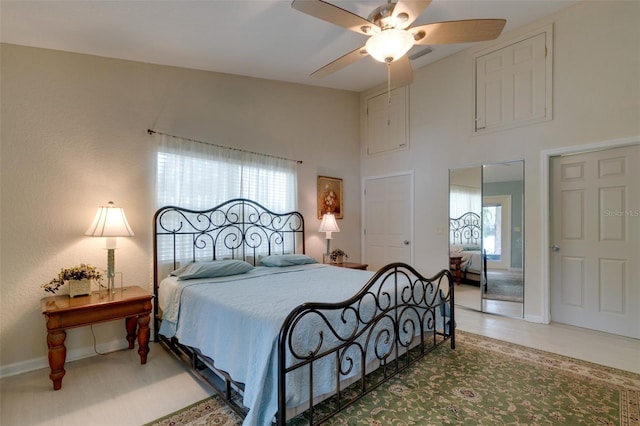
{"points": [[74, 137], [596, 99]]}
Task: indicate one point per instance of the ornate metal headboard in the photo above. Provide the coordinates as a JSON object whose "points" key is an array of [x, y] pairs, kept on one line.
{"points": [[466, 229], [236, 229]]}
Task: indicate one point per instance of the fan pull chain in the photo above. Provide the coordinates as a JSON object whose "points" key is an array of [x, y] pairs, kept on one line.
{"points": [[388, 93], [389, 82]]}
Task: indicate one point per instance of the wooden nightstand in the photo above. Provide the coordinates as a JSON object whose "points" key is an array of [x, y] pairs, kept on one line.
{"points": [[351, 265], [62, 312], [454, 265]]}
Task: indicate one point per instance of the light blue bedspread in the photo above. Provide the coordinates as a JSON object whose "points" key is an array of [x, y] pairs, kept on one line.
{"points": [[236, 320]]}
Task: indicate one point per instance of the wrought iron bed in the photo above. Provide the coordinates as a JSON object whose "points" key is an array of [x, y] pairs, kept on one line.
{"points": [[465, 236], [396, 318]]}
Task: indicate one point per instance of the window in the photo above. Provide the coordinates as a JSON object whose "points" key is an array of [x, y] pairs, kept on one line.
{"points": [[463, 199], [496, 230], [492, 227], [198, 176]]}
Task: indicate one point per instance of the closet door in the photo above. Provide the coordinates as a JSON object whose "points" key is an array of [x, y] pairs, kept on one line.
{"points": [[388, 207], [513, 85], [386, 121]]}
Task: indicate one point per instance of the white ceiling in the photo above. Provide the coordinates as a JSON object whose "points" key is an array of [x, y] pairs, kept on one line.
{"points": [[257, 38]]}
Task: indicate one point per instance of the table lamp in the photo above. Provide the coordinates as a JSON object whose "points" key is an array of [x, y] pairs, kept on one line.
{"points": [[110, 222], [328, 225]]}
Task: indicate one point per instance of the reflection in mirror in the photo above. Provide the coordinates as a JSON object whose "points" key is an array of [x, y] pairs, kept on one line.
{"points": [[503, 238], [465, 234]]}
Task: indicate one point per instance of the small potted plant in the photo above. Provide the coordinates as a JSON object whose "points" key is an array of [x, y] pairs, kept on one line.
{"points": [[338, 255], [79, 279]]}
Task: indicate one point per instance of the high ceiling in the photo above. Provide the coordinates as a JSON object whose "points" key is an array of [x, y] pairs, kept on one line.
{"points": [[257, 38]]}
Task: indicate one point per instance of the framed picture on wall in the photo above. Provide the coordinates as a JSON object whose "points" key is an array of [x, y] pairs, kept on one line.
{"points": [[329, 196]]}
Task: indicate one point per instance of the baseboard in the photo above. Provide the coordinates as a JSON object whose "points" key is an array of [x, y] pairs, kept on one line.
{"points": [[72, 355], [534, 318]]}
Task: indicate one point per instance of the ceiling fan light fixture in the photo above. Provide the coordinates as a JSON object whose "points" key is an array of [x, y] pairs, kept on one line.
{"points": [[368, 29], [402, 20], [389, 45]]}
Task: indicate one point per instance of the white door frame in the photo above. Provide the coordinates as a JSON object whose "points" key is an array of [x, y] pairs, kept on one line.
{"points": [[411, 209], [545, 212]]}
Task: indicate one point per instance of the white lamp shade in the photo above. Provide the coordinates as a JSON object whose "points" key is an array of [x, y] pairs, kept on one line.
{"points": [[389, 45], [329, 224], [110, 221]]}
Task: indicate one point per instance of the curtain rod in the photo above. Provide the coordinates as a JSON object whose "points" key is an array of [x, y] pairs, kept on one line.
{"points": [[151, 132]]}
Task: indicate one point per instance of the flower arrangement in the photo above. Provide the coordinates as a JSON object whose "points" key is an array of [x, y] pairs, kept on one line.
{"points": [[335, 253], [82, 271], [330, 200]]}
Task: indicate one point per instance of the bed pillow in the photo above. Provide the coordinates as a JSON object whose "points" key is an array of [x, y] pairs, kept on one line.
{"points": [[287, 260], [216, 268], [456, 248]]}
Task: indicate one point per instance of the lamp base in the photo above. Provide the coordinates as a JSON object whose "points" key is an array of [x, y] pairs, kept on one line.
{"points": [[111, 287], [111, 260]]}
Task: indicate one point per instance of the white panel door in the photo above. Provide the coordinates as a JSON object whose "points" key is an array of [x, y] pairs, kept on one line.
{"points": [[386, 121], [511, 85], [595, 281], [387, 220]]}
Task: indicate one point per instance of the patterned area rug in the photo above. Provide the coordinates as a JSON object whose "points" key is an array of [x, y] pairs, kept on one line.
{"points": [[482, 382]]}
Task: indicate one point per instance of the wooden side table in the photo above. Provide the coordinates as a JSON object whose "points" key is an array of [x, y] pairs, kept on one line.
{"points": [[351, 265], [454, 264], [62, 312]]}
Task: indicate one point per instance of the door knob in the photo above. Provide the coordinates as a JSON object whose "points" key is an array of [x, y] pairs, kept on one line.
{"points": [[555, 247], [406, 242]]}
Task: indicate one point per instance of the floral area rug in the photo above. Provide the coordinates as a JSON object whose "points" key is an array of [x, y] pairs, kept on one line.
{"points": [[482, 382]]}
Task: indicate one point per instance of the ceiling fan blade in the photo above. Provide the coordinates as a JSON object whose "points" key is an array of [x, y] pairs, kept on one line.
{"points": [[341, 62], [335, 15], [458, 31], [401, 72], [411, 8]]}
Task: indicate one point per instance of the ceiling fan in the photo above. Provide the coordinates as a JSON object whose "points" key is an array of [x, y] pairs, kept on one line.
{"points": [[391, 35]]}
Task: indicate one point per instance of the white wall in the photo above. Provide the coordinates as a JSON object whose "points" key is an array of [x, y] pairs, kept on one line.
{"points": [[596, 98], [74, 137]]}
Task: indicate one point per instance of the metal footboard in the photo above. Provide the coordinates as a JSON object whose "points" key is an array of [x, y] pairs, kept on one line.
{"points": [[395, 320]]}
